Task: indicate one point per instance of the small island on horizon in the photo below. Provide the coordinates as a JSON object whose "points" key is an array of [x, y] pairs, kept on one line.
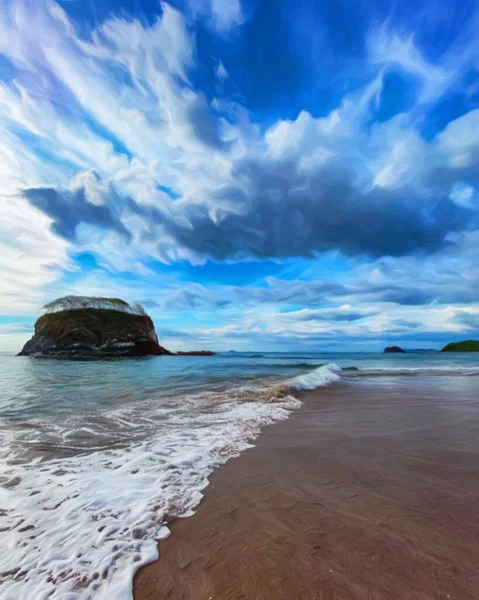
{"points": [[95, 328]]}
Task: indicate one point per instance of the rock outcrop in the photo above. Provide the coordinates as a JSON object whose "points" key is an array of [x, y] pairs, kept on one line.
{"points": [[394, 350], [93, 333], [465, 346]]}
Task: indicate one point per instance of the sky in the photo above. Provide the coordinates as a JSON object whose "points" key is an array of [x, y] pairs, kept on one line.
{"points": [[259, 174]]}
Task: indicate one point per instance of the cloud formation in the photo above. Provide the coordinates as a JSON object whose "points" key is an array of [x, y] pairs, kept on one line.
{"points": [[130, 149]]}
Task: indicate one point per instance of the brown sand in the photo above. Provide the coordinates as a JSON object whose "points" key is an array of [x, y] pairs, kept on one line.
{"points": [[369, 491]]}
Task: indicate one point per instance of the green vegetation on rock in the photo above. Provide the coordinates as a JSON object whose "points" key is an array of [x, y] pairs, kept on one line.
{"points": [[465, 346]]}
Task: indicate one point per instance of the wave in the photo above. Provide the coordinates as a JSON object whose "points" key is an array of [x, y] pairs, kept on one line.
{"points": [[320, 377]]}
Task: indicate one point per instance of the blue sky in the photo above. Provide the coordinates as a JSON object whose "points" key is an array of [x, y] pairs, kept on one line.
{"points": [[260, 174]]}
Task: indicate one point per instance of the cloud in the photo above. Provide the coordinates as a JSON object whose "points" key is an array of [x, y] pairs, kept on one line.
{"points": [[469, 318], [32, 258], [221, 15], [81, 204], [302, 186], [304, 197], [344, 313], [416, 326], [221, 72], [290, 213], [446, 277]]}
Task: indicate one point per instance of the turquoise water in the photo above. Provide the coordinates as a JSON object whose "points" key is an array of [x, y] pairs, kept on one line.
{"points": [[41, 389], [97, 457]]}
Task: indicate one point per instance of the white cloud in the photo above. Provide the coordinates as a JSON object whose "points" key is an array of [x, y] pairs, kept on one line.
{"points": [[464, 195], [222, 15], [226, 13], [31, 256], [221, 72]]}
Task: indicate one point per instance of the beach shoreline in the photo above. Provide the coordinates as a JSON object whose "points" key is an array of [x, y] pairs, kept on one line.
{"points": [[369, 490]]}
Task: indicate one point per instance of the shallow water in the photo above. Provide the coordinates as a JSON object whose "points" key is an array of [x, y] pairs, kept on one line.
{"points": [[97, 458]]}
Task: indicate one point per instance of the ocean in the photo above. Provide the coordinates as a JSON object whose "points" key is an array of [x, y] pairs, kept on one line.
{"points": [[98, 457]]}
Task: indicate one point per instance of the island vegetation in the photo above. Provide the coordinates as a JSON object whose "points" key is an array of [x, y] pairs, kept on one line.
{"points": [[464, 346], [94, 302]]}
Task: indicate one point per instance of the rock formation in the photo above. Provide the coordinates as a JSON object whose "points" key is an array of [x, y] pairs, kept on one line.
{"points": [[394, 349], [94, 333]]}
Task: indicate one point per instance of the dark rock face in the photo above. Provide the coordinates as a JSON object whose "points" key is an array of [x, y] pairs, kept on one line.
{"points": [[394, 349], [92, 333], [465, 346]]}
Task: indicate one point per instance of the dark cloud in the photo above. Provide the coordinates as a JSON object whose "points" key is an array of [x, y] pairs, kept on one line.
{"points": [[278, 211], [273, 208], [68, 209]]}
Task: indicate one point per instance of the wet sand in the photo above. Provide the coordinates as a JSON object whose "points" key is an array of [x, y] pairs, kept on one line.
{"points": [[369, 491]]}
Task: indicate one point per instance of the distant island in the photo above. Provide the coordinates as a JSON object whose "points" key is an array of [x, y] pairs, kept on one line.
{"points": [[465, 346], [91, 328], [398, 350]]}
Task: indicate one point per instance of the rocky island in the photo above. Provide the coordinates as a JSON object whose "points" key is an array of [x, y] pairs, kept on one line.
{"points": [[78, 327], [394, 350]]}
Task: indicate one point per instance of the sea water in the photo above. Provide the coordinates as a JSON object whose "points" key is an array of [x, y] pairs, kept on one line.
{"points": [[96, 458]]}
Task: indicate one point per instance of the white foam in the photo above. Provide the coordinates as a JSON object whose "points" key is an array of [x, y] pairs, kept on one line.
{"points": [[78, 528]]}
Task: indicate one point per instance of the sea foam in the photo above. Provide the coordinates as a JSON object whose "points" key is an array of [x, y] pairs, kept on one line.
{"points": [[79, 527]]}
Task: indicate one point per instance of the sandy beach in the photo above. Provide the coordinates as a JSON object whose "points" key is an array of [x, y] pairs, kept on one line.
{"points": [[369, 491]]}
